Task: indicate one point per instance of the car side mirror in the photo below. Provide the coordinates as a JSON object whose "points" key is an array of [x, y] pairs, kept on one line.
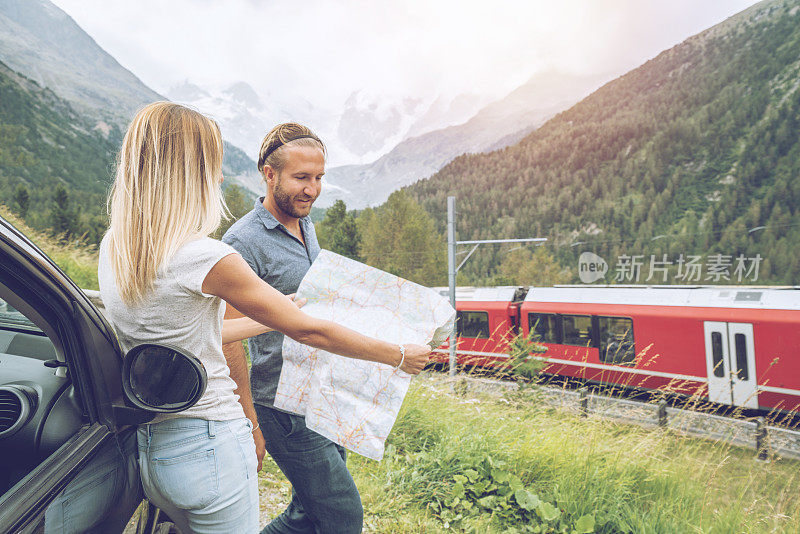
{"points": [[162, 378]]}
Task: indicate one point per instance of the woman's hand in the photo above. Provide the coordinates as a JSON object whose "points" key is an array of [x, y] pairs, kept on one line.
{"points": [[416, 359]]}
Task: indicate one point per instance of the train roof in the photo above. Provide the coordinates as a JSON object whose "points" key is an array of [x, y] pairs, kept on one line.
{"points": [[481, 294], [703, 297]]}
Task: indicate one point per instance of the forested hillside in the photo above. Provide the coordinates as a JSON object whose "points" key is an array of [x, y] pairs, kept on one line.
{"points": [[54, 168], [696, 152], [43, 47]]}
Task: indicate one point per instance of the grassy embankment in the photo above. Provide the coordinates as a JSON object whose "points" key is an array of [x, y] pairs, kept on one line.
{"points": [[76, 259], [618, 478], [493, 466]]}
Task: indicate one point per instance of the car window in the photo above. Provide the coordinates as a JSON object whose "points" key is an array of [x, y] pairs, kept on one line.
{"points": [[19, 336], [39, 406], [11, 318]]}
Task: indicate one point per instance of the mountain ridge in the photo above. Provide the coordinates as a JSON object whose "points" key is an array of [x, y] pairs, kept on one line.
{"points": [[47, 45], [686, 154], [502, 121], [55, 167], [43, 43]]}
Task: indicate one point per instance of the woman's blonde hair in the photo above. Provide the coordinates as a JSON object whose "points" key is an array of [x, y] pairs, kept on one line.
{"points": [[166, 192]]}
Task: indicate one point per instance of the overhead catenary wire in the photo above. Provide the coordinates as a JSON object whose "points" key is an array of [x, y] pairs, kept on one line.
{"points": [[590, 242]]}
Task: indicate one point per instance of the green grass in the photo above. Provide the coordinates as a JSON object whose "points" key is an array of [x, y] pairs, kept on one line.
{"points": [[628, 479], [624, 478], [77, 259]]}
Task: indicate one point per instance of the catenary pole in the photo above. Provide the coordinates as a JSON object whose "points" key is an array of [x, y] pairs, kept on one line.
{"points": [[452, 269], [451, 274]]}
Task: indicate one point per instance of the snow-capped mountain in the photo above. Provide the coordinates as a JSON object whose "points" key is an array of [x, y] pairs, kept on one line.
{"points": [[378, 143], [362, 129], [243, 116], [368, 123], [497, 125]]}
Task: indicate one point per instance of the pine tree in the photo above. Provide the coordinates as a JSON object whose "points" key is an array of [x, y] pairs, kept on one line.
{"points": [[526, 268], [399, 237], [338, 231], [62, 214], [238, 204], [22, 199]]}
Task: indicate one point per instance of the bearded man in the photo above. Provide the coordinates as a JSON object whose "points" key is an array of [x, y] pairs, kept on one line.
{"points": [[278, 240]]}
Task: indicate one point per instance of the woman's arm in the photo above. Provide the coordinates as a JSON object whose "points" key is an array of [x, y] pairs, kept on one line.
{"points": [[234, 281]]}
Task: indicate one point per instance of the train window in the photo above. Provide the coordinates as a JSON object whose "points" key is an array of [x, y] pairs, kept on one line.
{"points": [[544, 326], [741, 356], [716, 354], [472, 324], [616, 340], [577, 330]]}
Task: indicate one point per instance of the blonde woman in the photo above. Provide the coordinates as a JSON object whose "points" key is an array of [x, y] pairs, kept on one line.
{"points": [[163, 280]]}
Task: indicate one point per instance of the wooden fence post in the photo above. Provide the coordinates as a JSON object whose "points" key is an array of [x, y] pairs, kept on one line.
{"points": [[662, 413], [583, 402], [761, 440]]}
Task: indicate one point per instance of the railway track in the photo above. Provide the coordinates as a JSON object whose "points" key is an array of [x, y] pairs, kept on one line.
{"points": [[769, 436]]}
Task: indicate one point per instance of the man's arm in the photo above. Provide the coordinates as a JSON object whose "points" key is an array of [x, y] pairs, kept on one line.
{"points": [[237, 363], [234, 355], [240, 329], [237, 327]]}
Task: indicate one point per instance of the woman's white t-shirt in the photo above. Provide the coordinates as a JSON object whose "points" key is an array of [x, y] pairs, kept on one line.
{"points": [[177, 312]]}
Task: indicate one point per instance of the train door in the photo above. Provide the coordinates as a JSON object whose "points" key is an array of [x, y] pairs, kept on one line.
{"points": [[730, 362]]}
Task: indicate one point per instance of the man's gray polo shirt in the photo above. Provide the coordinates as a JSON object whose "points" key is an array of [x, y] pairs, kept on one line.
{"points": [[280, 259]]}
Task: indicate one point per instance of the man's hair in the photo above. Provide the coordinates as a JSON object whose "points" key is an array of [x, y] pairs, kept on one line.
{"points": [[272, 151], [166, 192]]}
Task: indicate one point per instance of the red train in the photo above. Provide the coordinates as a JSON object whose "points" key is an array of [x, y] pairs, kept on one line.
{"points": [[738, 346]]}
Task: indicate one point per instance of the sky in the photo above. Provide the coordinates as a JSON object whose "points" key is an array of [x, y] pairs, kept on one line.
{"points": [[324, 50]]}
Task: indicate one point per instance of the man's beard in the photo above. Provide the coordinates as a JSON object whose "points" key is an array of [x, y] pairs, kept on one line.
{"points": [[284, 202]]}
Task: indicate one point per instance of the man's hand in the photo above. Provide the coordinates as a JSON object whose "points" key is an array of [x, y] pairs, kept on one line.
{"points": [[299, 302], [416, 359], [261, 450]]}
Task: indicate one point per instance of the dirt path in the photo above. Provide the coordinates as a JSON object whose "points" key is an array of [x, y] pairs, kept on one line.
{"points": [[274, 492]]}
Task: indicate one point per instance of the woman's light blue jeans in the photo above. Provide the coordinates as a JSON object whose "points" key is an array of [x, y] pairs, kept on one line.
{"points": [[201, 473]]}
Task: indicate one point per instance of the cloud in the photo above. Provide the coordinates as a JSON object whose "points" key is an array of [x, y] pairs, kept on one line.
{"points": [[324, 50]]}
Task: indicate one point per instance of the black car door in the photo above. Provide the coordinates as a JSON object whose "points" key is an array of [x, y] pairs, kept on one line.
{"points": [[61, 400]]}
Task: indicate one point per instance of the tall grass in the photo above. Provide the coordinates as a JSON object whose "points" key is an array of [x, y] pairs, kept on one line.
{"points": [[627, 479], [77, 259]]}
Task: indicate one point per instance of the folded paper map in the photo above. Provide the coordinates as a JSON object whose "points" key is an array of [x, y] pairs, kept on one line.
{"points": [[354, 402]]}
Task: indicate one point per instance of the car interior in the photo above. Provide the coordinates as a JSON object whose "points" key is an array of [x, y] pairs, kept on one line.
{"points": [[39, 407]]}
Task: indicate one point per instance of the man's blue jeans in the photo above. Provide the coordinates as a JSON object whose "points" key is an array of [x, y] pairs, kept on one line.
{"points": [[324, 497]]}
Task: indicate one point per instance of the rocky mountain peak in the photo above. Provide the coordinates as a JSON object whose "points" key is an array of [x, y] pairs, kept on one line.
{"points": [[243, 93]]}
